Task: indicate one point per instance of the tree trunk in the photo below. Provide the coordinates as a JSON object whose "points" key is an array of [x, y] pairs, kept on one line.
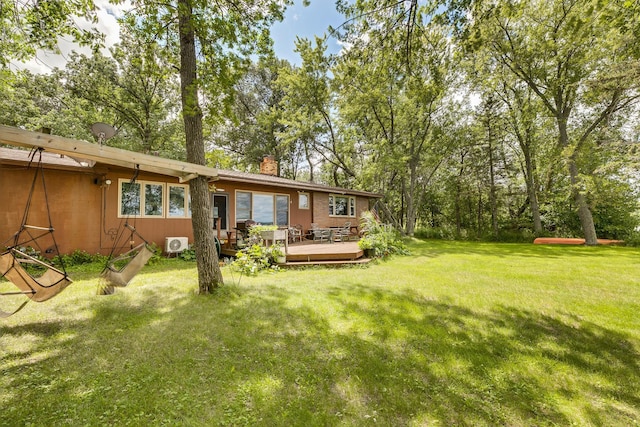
{"points": [[490, 116], [308, 156], [458, 208], [479, 226], [457, 211], [531, 189], [209, 274], [411, 200], [493, 198], [584, 212]]}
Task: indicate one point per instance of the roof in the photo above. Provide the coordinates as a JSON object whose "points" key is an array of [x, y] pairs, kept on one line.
{"points": [[277, 181], [20, 157], [69, 153]]}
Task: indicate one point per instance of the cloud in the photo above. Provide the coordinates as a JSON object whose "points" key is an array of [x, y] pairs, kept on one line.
{"points": [[46, 61]]}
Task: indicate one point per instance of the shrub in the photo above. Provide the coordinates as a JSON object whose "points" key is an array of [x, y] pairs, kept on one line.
{"points": [[257, 229], [633, 239], [188, 254], [379, 240], [78, 257], [255, 258], [157, 254]]}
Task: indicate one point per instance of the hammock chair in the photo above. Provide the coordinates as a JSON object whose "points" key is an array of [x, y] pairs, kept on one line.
{"points": [[119, 270], [34, 277]]}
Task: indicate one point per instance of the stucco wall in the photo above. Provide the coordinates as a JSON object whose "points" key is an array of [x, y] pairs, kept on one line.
{"points": [[80, 218], [74, 203]]}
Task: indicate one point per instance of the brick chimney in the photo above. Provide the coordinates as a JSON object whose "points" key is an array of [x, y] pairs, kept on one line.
{"points": [[269, 166]]}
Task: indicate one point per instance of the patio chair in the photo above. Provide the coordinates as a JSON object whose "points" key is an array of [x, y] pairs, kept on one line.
{"points": [[242, 230], [310, 234], [295, 233], [321, 235], [343, 233]]}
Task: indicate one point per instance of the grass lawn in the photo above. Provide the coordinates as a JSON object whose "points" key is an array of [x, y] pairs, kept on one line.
{"points": [[456, 334]]}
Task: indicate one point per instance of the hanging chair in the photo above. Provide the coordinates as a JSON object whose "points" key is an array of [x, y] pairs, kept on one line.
{"points": [[34, 278], [40, 288], [133, 261], [120, 270]]}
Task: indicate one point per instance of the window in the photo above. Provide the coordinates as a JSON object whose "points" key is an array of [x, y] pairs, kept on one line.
{"points": [[147, 199], [282, 210], [129, 198], [303, 200], [264, 208], [178, 201], [243, 206], [153, 194], [342, 205]]}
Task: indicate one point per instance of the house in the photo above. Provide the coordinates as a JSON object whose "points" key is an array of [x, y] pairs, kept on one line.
{"points": [[93, 189]]}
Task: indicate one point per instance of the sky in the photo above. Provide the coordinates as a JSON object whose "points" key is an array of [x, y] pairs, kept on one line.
{"points": [[307, 22], [107, 25], [299, 21]]}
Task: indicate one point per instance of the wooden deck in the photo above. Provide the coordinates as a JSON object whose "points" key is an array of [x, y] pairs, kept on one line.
{"points": [[309, 253], [338, 251]]}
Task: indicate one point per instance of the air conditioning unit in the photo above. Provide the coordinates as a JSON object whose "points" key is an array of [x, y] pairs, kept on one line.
{"points": [[174, 245]]}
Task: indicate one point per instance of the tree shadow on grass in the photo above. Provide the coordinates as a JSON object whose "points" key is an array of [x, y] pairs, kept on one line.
{"points": [[459, 366], [346, 356]]}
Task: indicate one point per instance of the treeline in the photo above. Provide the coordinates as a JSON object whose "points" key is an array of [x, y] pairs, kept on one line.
{"points": [[500, 120]]}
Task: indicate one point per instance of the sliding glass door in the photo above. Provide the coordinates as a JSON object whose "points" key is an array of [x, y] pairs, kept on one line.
{"points": [[263, 208]]}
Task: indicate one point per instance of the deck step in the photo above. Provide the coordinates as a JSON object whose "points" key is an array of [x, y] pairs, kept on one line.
{"points": [[319, 254], [329, 263], [351, 256]]}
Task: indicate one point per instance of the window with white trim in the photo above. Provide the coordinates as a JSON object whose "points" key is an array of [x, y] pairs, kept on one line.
{"points": [[153, 199], [129, 198], [147, 199], [178, 205], [342, 205], [282, 210], [303, 200]]}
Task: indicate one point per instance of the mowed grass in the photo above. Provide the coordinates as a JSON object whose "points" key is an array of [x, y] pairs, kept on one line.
{"points": [[456, 334]]}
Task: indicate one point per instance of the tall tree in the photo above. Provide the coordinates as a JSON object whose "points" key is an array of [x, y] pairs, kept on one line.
{"points": [[523, 120], [135, 85], [254, 127], [491, 128], [36, 101], [395, 80], [577, 56], [27, 26], [309, 106], [212, 39]]}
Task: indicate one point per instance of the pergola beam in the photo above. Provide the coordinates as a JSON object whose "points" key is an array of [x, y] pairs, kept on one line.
{"points": [[104, 154]]}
